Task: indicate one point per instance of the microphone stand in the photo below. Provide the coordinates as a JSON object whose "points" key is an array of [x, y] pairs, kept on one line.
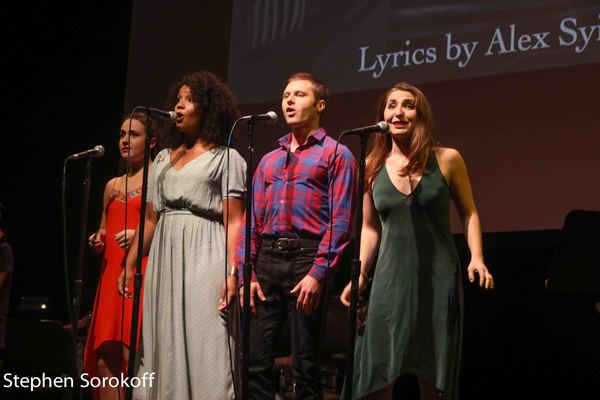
{"points": [[137, 277], [247, 268], [78, 281], [355, 272]]}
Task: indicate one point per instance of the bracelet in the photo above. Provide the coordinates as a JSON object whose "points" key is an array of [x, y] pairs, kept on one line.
{"points": [[233, 270]]}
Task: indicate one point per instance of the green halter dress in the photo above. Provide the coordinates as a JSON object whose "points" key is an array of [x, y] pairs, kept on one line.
{"points": [[414, 321]]}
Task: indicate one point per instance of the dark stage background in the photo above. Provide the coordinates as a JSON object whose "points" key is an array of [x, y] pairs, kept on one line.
{"points": [[69, 73]]}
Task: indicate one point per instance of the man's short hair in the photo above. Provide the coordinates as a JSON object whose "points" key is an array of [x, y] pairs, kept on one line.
{"points": [[321, 91]]}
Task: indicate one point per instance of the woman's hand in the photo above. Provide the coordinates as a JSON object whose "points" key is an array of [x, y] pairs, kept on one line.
{"points": [[229, 288], [345, 296], [125, 238], [124, 283], [97, 241], [361, 309], [255, 290], [486, 280]]}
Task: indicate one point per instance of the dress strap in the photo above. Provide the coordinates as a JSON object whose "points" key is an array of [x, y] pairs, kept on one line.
{"points": [[432, 163], [112, 189]]}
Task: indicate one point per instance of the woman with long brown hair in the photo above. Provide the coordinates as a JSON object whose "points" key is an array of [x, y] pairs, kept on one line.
{"points": [[414, 320], [107, 346]]}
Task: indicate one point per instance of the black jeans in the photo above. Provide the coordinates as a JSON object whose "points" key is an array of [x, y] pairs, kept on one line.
{"points": [[278, 271]]}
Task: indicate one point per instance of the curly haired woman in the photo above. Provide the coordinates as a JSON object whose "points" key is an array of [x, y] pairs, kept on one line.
{"points": [[195, 197]]}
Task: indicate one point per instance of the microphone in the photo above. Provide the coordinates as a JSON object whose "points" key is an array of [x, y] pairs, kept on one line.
{"points": [[170, 116], [381, 126], [270, 117], [97, 151]]}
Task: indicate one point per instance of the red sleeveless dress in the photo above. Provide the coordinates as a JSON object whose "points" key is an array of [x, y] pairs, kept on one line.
{"points": [[111, 318]]}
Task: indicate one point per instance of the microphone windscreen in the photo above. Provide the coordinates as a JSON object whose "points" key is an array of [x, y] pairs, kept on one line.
{"points": [[383, 127], [272, 117]]}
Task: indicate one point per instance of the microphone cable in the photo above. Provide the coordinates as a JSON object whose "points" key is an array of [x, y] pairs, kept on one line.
{"points": [[228, 313], [64, 229]]}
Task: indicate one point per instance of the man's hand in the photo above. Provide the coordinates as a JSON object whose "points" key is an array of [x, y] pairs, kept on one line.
{"points": [[308, 291], [255, 290]]}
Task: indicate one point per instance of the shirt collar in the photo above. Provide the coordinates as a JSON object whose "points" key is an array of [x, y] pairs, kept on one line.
{"points": [[315, 137]]}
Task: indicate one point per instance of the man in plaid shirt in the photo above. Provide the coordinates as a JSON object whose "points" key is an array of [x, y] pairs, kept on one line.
{"points": [[304, 193]]}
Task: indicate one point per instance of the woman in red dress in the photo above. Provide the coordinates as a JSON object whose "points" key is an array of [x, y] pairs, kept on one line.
{"points": [[107, 347]]}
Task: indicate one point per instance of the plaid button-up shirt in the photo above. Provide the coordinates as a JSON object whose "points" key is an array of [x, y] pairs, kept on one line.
{"points": [[291, 198]]}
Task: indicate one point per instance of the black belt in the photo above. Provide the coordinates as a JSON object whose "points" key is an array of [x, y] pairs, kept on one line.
{"points": [[290, 244]]}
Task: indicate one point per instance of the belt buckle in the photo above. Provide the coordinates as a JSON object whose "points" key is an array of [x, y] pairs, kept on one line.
{"points": [[283, 243]]}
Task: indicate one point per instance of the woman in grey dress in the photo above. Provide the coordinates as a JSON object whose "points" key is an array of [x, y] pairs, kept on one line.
{"points": [[195, 197]]}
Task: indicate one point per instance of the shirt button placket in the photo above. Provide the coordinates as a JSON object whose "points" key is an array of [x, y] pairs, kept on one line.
{"points": [[282, 207]]}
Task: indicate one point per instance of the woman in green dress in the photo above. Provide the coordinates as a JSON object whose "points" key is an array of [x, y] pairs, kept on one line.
{"points": [[414, 321]]}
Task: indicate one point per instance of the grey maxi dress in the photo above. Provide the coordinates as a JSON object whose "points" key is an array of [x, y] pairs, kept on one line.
{"points": [[185, 340]]}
